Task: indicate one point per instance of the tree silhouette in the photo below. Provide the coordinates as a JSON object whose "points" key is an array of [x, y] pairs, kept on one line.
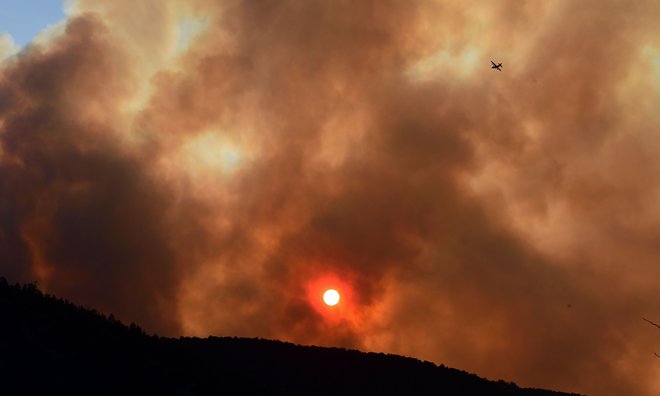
{"points": [[77, 351]]}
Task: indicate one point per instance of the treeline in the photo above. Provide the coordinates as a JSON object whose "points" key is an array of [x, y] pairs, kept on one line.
{"points": [[51, 346]]}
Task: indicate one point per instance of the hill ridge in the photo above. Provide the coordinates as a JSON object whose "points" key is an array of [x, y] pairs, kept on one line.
{"points": [[78, 350]]}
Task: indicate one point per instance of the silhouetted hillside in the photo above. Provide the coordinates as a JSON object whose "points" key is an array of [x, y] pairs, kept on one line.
{"points": [[49, 346]]}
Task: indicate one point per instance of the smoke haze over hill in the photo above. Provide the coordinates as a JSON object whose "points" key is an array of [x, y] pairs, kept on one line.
{"points": [[200, 167]]}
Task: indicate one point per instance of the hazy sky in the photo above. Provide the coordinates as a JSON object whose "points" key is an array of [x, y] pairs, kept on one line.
{"points": [[210, 167]]}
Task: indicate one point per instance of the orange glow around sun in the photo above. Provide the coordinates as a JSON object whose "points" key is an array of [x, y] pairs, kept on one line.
{"points": [[331, 297]]}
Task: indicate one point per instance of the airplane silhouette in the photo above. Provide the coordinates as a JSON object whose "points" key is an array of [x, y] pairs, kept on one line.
{"points": [[496, 66]]}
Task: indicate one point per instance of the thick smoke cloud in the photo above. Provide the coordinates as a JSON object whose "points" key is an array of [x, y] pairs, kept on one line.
{"points": [[204, 167], [77, 213]]}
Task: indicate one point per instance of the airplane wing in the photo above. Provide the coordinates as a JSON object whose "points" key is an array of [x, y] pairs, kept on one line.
{"points": [[493, 63]]}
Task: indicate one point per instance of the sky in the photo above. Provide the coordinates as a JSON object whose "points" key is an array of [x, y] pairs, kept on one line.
{"points": [[23, 19], [211, 167]]}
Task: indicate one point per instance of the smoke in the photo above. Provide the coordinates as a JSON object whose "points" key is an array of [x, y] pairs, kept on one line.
{"points": [[210, 167], [7, 46]]}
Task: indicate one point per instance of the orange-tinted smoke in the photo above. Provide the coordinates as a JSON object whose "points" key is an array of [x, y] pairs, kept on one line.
{"points": [[204, 167]]}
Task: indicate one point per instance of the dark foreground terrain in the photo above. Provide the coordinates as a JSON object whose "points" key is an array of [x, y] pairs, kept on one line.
{"points": [[50, 346]]}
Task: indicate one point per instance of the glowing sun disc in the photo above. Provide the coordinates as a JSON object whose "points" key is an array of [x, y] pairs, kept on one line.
{"points": [[331, 297]]}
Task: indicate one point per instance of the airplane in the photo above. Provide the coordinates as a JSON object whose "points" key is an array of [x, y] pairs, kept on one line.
{"points": [[496, 66]]}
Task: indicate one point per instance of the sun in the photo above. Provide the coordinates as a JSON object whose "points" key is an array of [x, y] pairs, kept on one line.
{"points": [[331, 297]]}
